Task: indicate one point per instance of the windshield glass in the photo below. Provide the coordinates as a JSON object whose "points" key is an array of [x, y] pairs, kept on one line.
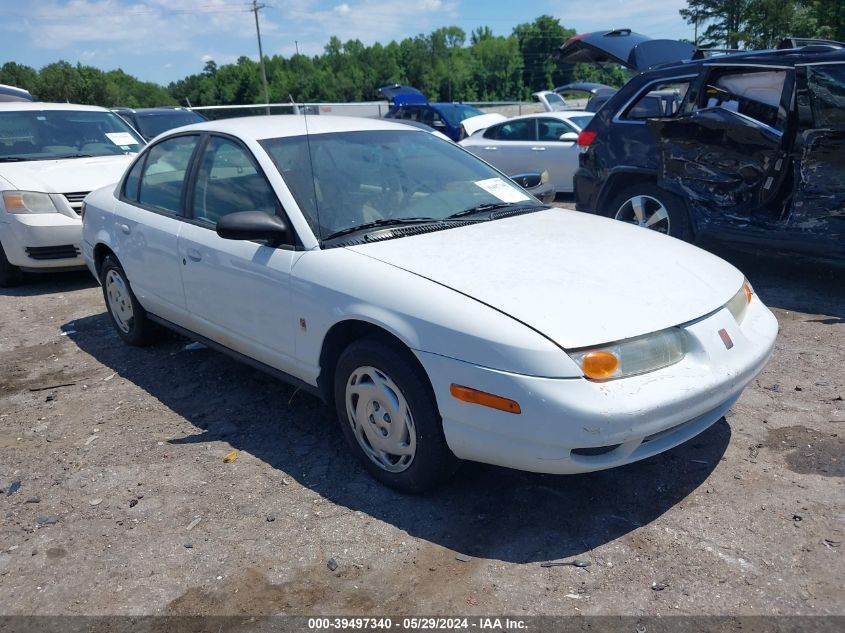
{"points": [[52, 134], [154, 123], [454, 113], [355, 178]]}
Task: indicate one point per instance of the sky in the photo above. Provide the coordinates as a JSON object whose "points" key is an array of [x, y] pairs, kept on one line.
{"points": [[165, 40]]}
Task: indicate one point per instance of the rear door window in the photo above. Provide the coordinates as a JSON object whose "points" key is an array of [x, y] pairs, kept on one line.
{"points": [[659, 100], [827, 95], [520, 130], [753, 92], [165, 171]]}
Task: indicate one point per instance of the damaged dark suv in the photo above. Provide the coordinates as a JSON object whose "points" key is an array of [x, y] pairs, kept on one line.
{"points": [[744, 147]]}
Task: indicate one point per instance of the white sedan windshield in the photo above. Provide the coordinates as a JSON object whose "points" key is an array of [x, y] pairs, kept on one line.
{"points": [[348, 179], [53, 134]]}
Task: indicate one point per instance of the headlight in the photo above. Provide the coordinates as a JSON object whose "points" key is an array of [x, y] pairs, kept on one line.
{"points": [[738, 305], [632, 356], [28, 202]]}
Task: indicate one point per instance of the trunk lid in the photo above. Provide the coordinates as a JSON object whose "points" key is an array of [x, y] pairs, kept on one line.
{"points": [[622, 46]]}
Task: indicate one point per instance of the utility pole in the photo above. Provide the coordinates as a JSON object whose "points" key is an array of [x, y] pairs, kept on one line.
{"points": [[255, 9]]}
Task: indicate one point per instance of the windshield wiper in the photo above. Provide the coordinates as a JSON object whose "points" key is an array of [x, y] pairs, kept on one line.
{"points": [[488, 206], [379, 223], [72, 156], [13, 159]]}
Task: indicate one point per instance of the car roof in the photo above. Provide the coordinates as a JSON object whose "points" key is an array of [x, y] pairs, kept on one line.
{"points": [[281, 125], [162, 109], [556, 114], [37, 105], [771, 57]]}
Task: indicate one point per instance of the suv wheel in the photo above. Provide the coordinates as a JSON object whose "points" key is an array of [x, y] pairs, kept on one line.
{"points": [[127, 316], [9, 275], [651, 207], [390, 418]]}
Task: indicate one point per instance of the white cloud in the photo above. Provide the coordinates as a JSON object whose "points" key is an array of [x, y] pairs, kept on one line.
{"points": [[342, 9]]}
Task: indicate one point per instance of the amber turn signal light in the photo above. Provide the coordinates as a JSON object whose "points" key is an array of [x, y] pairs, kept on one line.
{"points": [[749, 291], [474, 396], [599, 365]]}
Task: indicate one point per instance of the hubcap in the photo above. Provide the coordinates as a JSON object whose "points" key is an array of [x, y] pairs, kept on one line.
{"points": [[120, 305], [646, 212], [381, 419]]}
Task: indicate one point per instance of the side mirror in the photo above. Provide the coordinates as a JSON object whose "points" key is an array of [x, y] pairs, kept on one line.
{"points": [[528, 180], [569, 137], [253, 225]]}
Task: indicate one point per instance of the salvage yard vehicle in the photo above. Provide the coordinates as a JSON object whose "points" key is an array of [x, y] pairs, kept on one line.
{"points": [[51, 156], [535, 142], [743, 147], [410, 104], [442, 311], [150, 122]]}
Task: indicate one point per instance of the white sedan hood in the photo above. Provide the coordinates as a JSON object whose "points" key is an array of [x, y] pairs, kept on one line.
{"points": [[578, 279], [69, 175]]}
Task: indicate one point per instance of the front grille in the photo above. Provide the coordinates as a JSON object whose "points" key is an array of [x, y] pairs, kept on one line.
{"points": [[65, 251], [75, 198]]}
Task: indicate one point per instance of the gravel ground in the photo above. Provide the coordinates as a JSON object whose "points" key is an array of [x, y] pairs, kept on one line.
{"points": [[125, 504]]}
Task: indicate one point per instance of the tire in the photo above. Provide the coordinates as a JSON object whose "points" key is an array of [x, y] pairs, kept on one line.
{"points": [[659, 210], [10, 275], [126, 314], [391, 380]]}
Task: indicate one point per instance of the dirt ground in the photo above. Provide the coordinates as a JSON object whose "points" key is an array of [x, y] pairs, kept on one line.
{"points": [[117, 499]]}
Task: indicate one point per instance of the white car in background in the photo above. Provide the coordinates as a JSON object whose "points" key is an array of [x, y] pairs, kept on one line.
{"points": [[51, 156], [443, 312], [546, 141]]}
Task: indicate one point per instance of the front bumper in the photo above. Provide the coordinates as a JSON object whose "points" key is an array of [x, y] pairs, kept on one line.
{"points": [[575, 425], [42, 240]]}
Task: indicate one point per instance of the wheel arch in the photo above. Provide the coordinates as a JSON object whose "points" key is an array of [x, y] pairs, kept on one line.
{"points": [[342, 334], [101, 251]]}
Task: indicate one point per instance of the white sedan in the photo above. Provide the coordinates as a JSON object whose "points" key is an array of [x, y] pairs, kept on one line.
{"points": [[441, 310], [547, 141]]}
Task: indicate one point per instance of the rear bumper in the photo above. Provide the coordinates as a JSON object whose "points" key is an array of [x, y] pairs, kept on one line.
{"points": [[42, 241], [575, 425], [585, 190]]}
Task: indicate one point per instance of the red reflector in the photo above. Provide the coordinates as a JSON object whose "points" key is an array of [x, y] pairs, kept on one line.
{"points": [[586, 138], [726, 338]]}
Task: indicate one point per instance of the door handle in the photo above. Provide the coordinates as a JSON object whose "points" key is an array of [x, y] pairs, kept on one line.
{"points": [[538, 149], [491, 148], [125, 228], [194, 255]]}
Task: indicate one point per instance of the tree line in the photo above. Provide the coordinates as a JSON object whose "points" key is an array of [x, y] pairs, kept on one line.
{"points": [[445, 64], [756, 24]]}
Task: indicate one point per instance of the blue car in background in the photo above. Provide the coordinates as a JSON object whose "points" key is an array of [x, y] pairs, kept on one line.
{"points": [[410, 104]]}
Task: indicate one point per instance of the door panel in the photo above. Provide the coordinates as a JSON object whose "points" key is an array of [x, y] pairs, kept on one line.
{"points": [[149, 220], [237, 291], [720, 161], [238, 294]]}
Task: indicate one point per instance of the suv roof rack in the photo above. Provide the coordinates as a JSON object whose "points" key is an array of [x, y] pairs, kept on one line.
{"points": [[816, 44], [702, 53]]}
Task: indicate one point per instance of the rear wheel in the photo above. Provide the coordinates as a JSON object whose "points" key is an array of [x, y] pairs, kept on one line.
{"points": [[650, 207], [390, 418], [10, 275], [127, 316]]}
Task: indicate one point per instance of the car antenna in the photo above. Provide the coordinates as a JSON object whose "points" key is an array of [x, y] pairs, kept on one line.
{"points": [[313, 178]]}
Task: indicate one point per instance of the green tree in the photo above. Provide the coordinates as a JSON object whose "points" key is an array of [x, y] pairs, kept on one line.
{"points": [[538, 41]]}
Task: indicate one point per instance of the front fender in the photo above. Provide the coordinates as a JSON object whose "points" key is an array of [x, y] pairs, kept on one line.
{"points": [[335, 285]]}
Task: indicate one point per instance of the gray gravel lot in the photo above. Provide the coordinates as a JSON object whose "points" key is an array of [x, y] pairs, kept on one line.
{"points": [[126, 506]]}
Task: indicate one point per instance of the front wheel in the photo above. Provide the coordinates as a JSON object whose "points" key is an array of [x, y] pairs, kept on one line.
{"points": [[127, 316], [650, 207], [390, 418]]}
